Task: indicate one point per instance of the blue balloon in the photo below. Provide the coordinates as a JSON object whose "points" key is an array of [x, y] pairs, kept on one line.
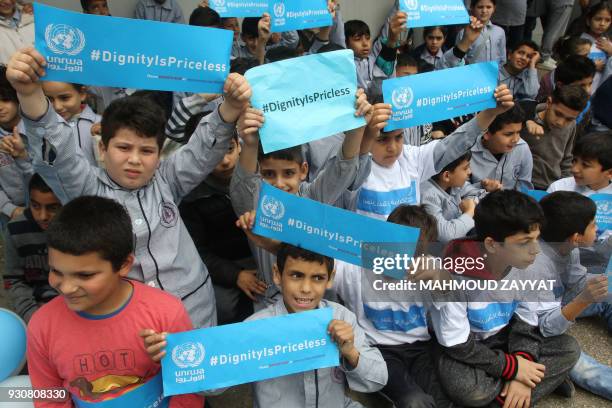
{"points": [[13, 344]]}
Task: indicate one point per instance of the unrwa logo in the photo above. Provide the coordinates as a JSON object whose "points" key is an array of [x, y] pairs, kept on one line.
{"points": [[219, 3], [279, 9], [188, 354], [402, 97], [64, 39], [272, 208], [411, 4]]}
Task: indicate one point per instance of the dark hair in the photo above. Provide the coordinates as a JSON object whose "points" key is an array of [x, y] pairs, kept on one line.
{"points": [[7, 92], [596, 8], [595, 146], [572, 96], [406, 60], [93, 224], [567, 46], [280, 53], [287, 250], [192, 123], [249, 27], [85, 4], [242, 65], [504, 213], [355, 28], [205, 17], [37, 183], [430, 29], [514, 115], [293, 154], [454, 164], [527, 43], [567, 213], [574, 68], [474, 3], [138, 114], [416, 216]]}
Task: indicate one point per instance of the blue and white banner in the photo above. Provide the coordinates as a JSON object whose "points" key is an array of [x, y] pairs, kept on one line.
{"points": [[147, 395], [439, 95], [324, 229], [305, 99], [256, 350], [240, 8], [604, 211], [287, 15], [423, 13], [110, 51]]}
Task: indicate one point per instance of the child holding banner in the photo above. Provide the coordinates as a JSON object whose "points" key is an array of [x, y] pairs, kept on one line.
{"points": [[97, 7], [491, 44], [132, 136]]}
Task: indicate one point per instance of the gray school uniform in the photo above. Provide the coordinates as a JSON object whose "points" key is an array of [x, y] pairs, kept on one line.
{"points": [[14, 177], [510, 13], [325, 387], [81, 129], [318, 152], [166, 257], [513, 169], [444, 207], [288, 39], [490, 45], [369, 75], [169, 11], [524, 86], [105, 95]]}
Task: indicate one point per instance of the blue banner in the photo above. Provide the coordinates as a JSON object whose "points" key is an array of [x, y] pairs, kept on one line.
{"points": [[131, 53], [256, 350], [536, 194], [305, 99], [604, 212], [240, 8], [149, 394], [324, 229], [423, 13], [287, 15], [438, 95]]}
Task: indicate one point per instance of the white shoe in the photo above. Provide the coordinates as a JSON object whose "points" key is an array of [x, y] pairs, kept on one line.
{"points": [[549, 64]]}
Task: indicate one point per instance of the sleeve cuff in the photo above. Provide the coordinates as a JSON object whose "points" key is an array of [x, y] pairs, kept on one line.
{"points": [[510, 367], [8, 209], [458, 53]]}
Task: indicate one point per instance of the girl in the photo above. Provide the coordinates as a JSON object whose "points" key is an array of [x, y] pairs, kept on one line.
{"points": [[433, 49], [491, 44], [599, 18]]}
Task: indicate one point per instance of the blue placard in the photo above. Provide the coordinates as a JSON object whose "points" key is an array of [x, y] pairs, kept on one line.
{"points": [[305, 99], [439, 95], [598, 55], [536, 194], [240, 8], [604, 211], [124, 52], [149, 394], [321, 228], [287, 15], [423, 13], [256, 350]]}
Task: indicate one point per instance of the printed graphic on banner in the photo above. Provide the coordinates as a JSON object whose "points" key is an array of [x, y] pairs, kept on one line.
{"points": [[423, 13], [604, 212], [439, 95], [110, 51], [240, 8], [287, 15], [492, 316], [598, 55], [305, 99], [256, 350], [149, 394], [322, 228]]}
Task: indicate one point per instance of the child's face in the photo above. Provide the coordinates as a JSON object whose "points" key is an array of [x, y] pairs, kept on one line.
{"points": [[250, 42], [43, 207], [360, 44], [434, 41], [87, 282], [66, 100], [130, 160], [520, 58], [405, 70], [460, 174], [7, 8], [225, 168], [583, 50], [285, 175], [232, 24], [585, 83], [518, 250], [505, 139], [483, 10], [98, 7], [303, 284], [589, 172], [387, 148], [9, 114], [600, 23], [559, 116]]}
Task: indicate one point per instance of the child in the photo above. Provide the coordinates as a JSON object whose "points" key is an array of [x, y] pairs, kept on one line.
{"points": [[87, 339], [26, 271], [257, 38], [447, 198], [492, 351], [552, 142], [491, 44], [16, 29], [520, 73], [433, 49], [599, 19], [574, 70], [500, 158], [97, 7], [168, 11], [132, 136]]}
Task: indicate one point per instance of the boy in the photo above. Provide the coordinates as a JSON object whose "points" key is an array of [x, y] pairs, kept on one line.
{"points": [[575, 70], [450, 201], [257, 38], [86, 340], [500, 158], [132, 136], [168, 11], [26, 270], [97, 7], [491, 43], [492, 351], [552, 147], [520, 73], [303, 277]]}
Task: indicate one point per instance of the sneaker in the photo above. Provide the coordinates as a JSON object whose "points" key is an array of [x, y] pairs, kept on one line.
{"points": [[548, 64], [566, 389]]}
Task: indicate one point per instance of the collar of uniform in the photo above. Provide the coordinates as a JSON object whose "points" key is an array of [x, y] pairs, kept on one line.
{"points": [[88, 114]]}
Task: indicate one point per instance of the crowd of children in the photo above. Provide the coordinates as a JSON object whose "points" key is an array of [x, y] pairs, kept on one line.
{"points": [[128, 215]]}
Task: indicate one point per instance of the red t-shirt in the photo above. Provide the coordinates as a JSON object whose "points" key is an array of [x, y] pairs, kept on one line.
{"points": [[101, 357]]}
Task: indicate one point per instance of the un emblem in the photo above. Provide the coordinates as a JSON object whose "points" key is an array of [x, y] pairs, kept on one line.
{"points": [[411, 4], [188, 355], [402, 97], [272, 208], [64, 39], [279, 9], [219, 3]]}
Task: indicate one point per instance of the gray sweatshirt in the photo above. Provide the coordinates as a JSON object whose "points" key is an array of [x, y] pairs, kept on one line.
{"points": [[14, 177], [524, 86]]}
